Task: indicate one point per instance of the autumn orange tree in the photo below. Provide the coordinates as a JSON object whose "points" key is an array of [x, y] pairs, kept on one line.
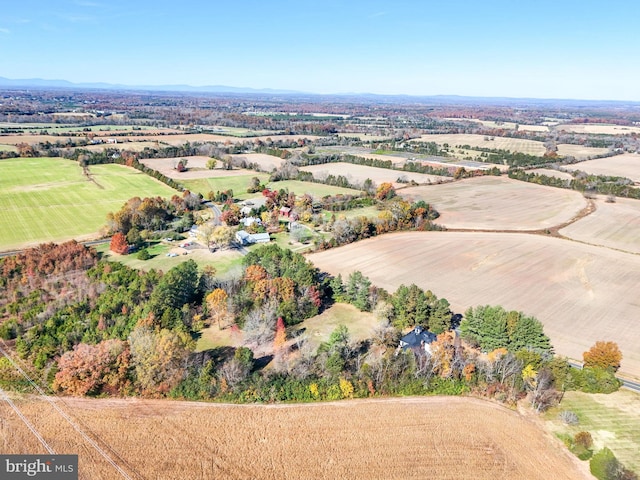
{"points": [[281, 335], [604, 355], [385, 191], [119, 243]]}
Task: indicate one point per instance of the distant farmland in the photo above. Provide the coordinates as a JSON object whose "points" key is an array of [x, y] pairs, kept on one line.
{"points": [[357, 174], [196, 168], [529, 147], [48, 199], [398, 438], [581, 293], [627, 165], [498, 203]]}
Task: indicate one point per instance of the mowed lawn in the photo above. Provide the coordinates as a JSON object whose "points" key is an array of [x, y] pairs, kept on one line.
{"points": [[612, 420], [49, 199]]}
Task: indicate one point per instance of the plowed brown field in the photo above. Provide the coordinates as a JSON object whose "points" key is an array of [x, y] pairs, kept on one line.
{"points": [[581, 293], [416, 437]]}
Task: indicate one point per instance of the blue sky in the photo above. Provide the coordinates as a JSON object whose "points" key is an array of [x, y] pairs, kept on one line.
{"points": [[546, 49]]}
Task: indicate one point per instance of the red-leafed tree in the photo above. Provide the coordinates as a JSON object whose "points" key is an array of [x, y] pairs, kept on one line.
{"points": [[119, 244], [91, 369]]}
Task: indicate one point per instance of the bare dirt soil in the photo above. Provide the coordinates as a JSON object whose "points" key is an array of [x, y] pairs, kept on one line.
{"points": [[357, 174], [498, 203], [413, 437], [626, 165], [614, 225]]}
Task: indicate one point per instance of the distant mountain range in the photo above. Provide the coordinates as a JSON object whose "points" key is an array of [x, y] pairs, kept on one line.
{"points": [[42, 83], [372, 97]]}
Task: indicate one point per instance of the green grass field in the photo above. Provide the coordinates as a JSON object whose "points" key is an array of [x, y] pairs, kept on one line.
{"points": [[8, 148], [370, 212], [360, 324], [224, 261], [613, 421], [49, 199], [318, 329]]}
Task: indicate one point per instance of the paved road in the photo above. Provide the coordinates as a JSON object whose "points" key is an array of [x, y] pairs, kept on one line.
{"points": [[216, 212]]}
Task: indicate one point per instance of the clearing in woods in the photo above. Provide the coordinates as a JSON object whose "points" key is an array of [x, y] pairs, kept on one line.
{"points": [[581, 293], [49, 199], [498, 203], [411, 437]]}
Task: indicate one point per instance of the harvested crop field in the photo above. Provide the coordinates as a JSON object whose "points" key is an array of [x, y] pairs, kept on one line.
{"points": [[626, 165], [580, 151], [498, 203], [599, 129], [397, 160], [581, 293], [196, 168], [613, 225], [529, 147], [265, 162], [357, 174], [413, 437], [549, 172], [181, 139]]}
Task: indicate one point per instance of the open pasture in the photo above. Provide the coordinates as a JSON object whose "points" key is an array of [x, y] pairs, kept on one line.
{"points": [[581, 293], [239, 183], [316, 190], [598, 129], [613, 225], [357, 174], [196, 168], [266, 163], [613, 421], [498, 203], [222, 260], [49, 199], [8, 148], [625, 165], [412, 437]]}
